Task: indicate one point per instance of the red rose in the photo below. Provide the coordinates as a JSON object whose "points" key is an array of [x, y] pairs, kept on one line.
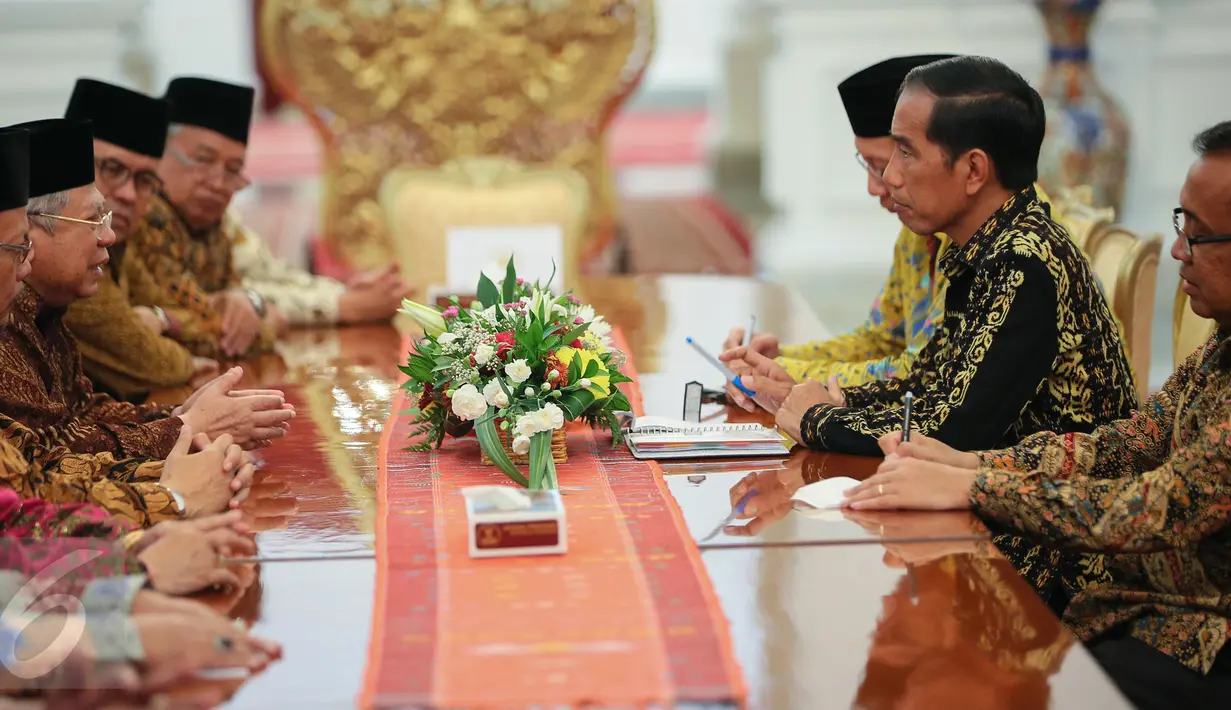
{"points": [[576, 344], [504, 343]]}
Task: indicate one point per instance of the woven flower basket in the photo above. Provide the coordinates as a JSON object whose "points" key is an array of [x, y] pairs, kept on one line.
{"points": [[559, 448]]}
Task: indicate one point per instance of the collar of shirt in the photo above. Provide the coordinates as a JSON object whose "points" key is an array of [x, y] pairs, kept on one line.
{"points": [[175, 214], [970, 255], [31, 308]]}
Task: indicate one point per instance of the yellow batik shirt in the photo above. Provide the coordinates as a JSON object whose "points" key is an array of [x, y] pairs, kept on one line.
{"points": [[910, 306], [305, 299], [170, 265], [1152, 492], [119, 353]]}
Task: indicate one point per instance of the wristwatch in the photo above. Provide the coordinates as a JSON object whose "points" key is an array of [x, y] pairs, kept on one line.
{"points": [[258, 303], [162, 318], [179, 500]]}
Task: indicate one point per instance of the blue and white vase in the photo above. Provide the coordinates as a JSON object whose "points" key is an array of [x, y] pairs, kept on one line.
{"points": [[1087, 138]]}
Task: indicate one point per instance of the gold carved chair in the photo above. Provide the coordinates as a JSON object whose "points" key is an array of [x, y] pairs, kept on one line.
{"points": [[1073, 208], [422, 84], [1127, 266], [1189, 331], [421, 205]]}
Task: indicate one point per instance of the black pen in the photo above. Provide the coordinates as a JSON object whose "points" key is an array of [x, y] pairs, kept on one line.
{"points": [[906, 417]]}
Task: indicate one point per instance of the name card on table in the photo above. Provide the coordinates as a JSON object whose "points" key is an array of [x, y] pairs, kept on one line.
{"points": [[507, 522], [470, 251]]}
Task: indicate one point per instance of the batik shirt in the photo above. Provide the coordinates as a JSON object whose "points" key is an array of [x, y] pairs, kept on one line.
{"points": [[168, 264], [75, 547], [119, 353], [908, 310], [305, 299], [1151, 491], [903, 318], [45, 389], [127, 488], [1028, 344]]}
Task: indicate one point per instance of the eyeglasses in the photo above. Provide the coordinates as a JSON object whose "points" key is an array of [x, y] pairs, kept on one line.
{"points": [[1178, 217], [100, 225], [115, 174], [21, 250], [878, 174], [232, 179]]}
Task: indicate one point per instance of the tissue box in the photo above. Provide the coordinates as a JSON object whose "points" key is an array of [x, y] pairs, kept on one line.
{"points": [[497, 531]]}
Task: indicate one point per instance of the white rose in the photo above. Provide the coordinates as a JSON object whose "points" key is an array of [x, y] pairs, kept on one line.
{"points": [[585, 383], [518, 371], [525, 426], [484, 354], [468, 403], [521, 445], [446, 338], [553, 415], [491, 391]]}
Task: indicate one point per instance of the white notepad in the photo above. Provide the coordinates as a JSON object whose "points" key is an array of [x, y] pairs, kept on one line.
{"points": [[664, 438]]}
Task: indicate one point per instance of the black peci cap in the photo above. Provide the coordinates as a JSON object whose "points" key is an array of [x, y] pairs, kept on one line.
{"points": [[221, 107], [120, 116], [870, 95], [14, 169], [61, 155]]}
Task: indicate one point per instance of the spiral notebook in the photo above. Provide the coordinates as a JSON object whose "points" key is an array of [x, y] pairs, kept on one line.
{"points": [[662, 438]]}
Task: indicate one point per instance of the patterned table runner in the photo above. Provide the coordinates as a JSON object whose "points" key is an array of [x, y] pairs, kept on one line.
{"points": [[628, 617]]}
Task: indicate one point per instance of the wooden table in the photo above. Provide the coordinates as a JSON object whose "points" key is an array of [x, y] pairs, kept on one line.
{"points": [[904, 610]]}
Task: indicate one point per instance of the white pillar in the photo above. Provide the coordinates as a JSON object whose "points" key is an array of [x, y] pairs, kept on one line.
{"points": [[45, 45], [735, 140]]}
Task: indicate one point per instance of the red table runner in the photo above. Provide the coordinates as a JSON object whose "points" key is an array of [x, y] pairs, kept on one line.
{"points": [[628, 617]]}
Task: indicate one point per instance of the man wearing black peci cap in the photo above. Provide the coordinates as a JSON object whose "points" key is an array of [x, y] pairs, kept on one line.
{"points": [[124, 349], [217, 268], [44, 387], [15, 243]]}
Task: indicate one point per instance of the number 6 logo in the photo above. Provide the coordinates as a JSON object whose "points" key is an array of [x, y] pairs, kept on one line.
{"points": [[26, 607]]}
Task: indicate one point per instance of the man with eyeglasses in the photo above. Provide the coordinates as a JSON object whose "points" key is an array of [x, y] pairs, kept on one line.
{"points": [[1151, 491], [44, 387], [911, 303], [14, 228], [125, 349]]}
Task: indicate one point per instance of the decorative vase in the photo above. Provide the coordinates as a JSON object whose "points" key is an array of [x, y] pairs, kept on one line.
{"points": [[559, 448], [1087, 134]]}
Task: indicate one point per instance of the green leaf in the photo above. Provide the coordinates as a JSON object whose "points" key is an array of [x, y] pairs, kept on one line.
{"points": [[592, 368], [551, 343], [542, 465], [576, 402], [574, 333], [510, 282], [489, 441], [488, 293], [574, 370], [618, 377]]}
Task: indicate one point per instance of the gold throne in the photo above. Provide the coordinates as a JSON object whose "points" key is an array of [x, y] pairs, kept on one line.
{"points": [[433, 85]]}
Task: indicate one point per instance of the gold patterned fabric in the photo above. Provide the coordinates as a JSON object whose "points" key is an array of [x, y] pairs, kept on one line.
{"points": [[126, 488], [903, 318], [305, 299], [168, 264], [119, 353], [45, 389], [421, 82], [909, 308], [1152, 492], [1028, 344]]}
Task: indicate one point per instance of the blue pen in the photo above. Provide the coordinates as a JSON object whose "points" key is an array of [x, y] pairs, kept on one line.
{"points": [[726, 371]]}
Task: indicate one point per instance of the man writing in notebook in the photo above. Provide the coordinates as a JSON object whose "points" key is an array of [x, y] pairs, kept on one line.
{"points": [[1028, 342]]}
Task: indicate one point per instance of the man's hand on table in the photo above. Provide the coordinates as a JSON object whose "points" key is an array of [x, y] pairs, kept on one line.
{"points": [[926, 448], [241, 324], [913, 484], [372, 296], [803, 397], [763, 343], [185, 560], [277, 320], [204, 478], [759, 374], [179, 645], [252, 417], [149, 319]]}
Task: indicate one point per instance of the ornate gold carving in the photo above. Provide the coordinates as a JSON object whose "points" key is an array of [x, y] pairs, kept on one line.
{"points": [[388, 83]]}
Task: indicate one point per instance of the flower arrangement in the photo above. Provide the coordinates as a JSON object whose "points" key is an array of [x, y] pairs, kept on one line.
{"points": [[519, 360]]}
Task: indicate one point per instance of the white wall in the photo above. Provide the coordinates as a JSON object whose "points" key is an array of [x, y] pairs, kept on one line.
{"points": [[687, 55], [201, 37]]}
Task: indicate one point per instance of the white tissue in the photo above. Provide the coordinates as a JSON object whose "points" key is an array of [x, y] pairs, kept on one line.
{"points": [[826, 494], [502, 497]]}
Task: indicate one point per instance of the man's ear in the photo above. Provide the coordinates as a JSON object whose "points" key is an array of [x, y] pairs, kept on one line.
{"points": [[978, 170]]}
